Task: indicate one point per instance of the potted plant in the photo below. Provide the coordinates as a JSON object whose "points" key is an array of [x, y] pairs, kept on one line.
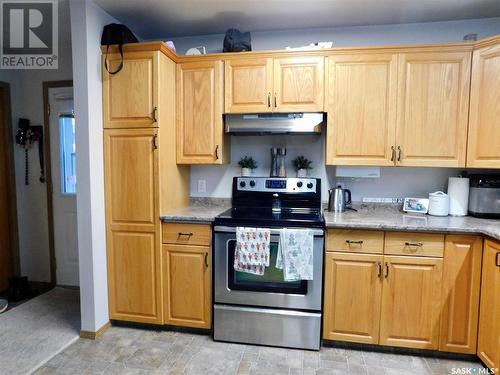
{"points": [[247, 164], [302, 165]]}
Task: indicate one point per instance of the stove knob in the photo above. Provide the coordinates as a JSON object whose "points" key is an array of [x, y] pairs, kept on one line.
{"points": [[310, 185], [299, 184], [243, 184], [252, 183]]}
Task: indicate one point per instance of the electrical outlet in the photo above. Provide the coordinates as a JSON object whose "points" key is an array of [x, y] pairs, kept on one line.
{"points": [[202, 186]]}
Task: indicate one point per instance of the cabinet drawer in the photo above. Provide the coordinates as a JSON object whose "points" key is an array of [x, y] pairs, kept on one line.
{"points": [[187, 234], [355, 241], [416, 244]]}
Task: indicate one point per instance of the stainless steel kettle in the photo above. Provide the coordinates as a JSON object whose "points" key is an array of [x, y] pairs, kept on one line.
{"points": [[338, 199]]}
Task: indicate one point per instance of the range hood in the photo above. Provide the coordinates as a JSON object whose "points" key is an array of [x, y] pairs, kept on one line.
{"points": [[274, 123]]}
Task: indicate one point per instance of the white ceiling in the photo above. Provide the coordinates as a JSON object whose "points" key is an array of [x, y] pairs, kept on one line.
{"points": [[153, 19]]}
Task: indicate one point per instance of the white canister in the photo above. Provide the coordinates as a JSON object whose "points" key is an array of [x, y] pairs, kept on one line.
{"points": [[458, 190], [439, 204]]}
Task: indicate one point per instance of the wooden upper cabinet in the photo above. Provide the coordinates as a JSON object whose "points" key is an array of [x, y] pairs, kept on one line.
{"points": [[248, 85], [433, 103], [461, 285], [130, 97], [299, 84], [353, 291], [361, 105], [200, 133], [484, 123], [411, 302], [488, 347]]}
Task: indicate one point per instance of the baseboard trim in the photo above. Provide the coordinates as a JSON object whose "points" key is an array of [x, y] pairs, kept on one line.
{"points": [[93, 335]]}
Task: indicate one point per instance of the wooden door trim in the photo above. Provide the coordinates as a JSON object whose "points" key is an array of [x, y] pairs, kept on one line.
{"points": [[47, 85], [7, 118]]}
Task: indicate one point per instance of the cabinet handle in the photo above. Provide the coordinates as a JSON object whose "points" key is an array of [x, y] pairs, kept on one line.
{"points": [[269, 100], [386, 270], [393, 153], [400, 153], [180, 234], [497, 259], [155, 142], [206, 260], [379, 273], [351, 242], [217, 152], [415, 244], [154, 114], [275, 100]]}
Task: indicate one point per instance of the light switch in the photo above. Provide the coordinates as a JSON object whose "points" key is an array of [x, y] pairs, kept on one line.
{"points": [[202, 186]]}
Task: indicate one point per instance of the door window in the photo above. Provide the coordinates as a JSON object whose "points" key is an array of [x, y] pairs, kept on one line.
{"points": [[272, 280], [68, 154]]}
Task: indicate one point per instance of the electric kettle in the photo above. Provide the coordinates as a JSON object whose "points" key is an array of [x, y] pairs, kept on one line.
{"points": [[338, 199]]}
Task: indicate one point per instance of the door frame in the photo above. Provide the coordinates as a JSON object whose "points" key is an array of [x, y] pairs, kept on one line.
{"points": [[47, 85], [9, 136]]}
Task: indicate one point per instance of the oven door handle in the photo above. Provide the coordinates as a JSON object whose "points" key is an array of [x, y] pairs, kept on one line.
{"points": [[224, 229]]}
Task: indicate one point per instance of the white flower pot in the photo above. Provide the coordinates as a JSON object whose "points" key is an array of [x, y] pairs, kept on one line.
{"points": [[302, 173], [246, 171]]}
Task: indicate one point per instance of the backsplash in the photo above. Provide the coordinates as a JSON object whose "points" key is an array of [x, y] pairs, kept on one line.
{"points": [[394, 182]]}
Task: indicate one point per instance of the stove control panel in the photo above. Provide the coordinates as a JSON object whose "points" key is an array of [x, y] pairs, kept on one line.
{"points": [[283, 185]]}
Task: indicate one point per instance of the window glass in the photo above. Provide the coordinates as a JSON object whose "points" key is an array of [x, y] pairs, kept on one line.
{"points": [[68, 154]]}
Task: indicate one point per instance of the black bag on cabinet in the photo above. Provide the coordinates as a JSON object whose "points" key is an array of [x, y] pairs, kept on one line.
{"points": [[236, 41], [116, 33]]}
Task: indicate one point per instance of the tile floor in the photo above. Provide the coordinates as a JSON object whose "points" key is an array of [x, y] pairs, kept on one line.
{"points": [[135, 351]]}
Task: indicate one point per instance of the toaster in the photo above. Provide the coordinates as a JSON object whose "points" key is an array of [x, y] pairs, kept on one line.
{"points": [[484, 195]]}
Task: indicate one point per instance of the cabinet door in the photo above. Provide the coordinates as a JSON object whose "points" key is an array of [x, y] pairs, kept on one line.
{"points": [[199, 113], [248, 85], [461, 285], [130, 97], [433, 103], [488, 347], [361, 105], [353, 291], [484, 123], [299, 84], [132, 223], [411, 301], [187, 279]]}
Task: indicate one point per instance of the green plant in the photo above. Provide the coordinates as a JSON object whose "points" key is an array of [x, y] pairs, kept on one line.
{"points": [[300, 162], [247, 162]]}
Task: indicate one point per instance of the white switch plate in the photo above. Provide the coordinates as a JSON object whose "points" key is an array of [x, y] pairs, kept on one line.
{"points": [[202, 186]]}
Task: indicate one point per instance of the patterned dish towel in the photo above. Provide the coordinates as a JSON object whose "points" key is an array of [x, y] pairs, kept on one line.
{"points": [[251, 254], [295, 254]]}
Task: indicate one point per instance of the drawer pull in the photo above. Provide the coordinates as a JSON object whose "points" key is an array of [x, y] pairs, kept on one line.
{"points": [[497, 259], [414, 244], [351, 242], [181, 234]]}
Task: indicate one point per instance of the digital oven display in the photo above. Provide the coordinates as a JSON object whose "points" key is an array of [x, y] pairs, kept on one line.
{"points": [[276, 184]]}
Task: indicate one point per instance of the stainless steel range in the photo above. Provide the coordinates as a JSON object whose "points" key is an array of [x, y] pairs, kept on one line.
{"points": [[266, 309]]}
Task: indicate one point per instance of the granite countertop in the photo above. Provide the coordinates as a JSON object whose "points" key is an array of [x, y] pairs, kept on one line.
{"points": [[390, 217], [369, 216], [200, 210]]}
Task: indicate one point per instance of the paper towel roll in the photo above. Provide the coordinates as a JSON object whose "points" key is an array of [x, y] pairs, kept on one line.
{"points": [[458, 190]]}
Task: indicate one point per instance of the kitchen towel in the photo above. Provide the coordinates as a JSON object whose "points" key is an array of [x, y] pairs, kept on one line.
{"points": [[251, 253], [295, 254], [458, 190]]}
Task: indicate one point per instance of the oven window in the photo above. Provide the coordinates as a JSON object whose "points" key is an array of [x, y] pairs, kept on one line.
{"points": [[272, 280]]}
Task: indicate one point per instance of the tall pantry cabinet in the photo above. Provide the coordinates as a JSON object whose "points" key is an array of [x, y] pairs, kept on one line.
{"points": [[141, 180]]}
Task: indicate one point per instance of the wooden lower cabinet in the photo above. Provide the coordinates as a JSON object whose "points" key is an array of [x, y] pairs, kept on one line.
{"points": [[411, 300], [488, 347], [461, 288], [187, 285], [353, 291]]}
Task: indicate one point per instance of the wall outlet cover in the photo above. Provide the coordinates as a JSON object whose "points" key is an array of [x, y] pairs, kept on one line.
{"points": [[202, 186]]}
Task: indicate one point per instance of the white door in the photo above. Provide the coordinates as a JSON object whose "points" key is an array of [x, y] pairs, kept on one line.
{"points": [[63, 167]]}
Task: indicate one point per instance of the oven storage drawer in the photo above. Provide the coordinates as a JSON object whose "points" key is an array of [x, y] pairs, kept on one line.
{"points": [[275, 327]]}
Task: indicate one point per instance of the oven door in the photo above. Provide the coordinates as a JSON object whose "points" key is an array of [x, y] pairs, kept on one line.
{"points": [[270, 289]]}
